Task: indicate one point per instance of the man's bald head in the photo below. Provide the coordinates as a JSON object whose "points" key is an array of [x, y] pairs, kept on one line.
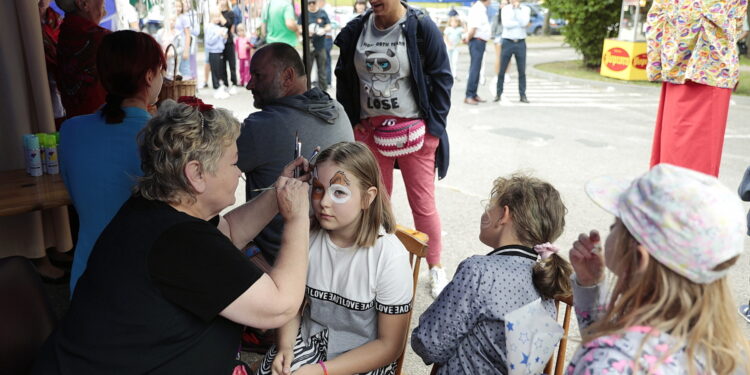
{"points": [[283, 56]]}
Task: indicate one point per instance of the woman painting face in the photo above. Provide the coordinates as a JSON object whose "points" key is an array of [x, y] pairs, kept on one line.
{"points": [[222, 183]]}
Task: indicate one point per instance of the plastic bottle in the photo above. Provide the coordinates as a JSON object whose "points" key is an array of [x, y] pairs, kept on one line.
{"points": [[50, 151], [42, 153], [33, 155]]}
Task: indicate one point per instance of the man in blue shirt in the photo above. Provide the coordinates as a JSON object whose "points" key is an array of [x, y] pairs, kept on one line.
{"points": [[515, 19], [318, 25]]}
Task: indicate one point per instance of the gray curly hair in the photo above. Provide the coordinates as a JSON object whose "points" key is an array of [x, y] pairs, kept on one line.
{"points": [[177, 135]]}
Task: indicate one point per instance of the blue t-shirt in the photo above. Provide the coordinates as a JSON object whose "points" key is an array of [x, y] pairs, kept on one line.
{"points": [[99, 163]]}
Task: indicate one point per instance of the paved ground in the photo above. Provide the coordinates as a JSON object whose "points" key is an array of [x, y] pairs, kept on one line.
{"points": [[572, 131]]}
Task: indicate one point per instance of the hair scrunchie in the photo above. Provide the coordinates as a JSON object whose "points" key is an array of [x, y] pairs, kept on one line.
{"points": [[546, 250]]}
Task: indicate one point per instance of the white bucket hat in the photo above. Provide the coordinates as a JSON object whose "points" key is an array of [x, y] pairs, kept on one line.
{"points": [[688, 221]]}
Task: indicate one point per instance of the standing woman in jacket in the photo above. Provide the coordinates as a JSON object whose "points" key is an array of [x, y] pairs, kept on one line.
{"points": [[394, 74]]}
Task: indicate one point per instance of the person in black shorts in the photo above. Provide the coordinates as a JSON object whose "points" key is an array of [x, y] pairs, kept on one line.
{"points": [[167, 289]]}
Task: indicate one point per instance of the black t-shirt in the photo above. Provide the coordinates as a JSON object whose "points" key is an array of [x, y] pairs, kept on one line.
{"points": [[320, 19], [229, 16], [149, 299]]}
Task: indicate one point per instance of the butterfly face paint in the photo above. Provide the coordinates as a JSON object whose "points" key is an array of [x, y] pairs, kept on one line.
{"points": [[338, 188]]}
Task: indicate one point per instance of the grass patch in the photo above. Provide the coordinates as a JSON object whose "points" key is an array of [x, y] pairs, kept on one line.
{"points": [[744, 88], [575, 69], [744, 60]]}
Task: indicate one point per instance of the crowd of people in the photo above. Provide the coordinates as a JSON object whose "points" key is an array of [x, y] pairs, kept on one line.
{"points": [[164, 283]]}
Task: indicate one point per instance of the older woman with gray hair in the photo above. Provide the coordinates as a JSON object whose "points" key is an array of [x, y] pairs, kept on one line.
{"points": [[167, 289]]}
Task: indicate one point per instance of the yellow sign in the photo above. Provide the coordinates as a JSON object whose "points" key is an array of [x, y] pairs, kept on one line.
{"points": [[624, 60]]}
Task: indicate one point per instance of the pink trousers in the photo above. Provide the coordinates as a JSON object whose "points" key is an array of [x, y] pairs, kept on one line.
{"points": [[418, 170], [690, 126], [244, 71]]}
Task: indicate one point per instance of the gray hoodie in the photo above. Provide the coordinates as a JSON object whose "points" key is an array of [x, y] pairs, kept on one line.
{"points": [[266, 145]]}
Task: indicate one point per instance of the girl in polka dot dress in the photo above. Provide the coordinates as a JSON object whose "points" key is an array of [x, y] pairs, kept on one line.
{"points": [[463, 330]]}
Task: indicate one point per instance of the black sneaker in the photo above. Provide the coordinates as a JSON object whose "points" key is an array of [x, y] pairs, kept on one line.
{"points": [[524, 100], [497, 98]]}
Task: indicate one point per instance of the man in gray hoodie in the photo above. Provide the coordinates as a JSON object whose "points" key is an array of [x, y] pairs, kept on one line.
{"points": [[266, 144]]}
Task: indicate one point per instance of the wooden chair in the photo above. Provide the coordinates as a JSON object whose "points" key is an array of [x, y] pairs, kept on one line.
{"points": [[416, 243], [560, 361]]}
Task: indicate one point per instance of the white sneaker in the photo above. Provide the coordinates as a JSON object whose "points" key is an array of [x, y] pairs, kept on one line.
{"points": [[233, 90], [438, 281]]}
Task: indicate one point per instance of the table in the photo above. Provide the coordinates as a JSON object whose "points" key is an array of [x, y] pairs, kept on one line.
{"points": [[21, 193]]}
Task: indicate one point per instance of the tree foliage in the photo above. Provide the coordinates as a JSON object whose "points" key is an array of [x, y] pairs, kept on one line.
{"points": [[589, 23]]}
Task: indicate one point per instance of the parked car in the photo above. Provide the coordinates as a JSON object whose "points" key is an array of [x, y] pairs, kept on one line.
{"points": [[536, 19]]}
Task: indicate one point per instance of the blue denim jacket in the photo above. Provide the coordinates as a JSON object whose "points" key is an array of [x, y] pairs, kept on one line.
{"points": [[432, 78]]}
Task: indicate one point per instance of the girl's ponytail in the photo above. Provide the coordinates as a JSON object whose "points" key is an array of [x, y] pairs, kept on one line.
{"points": [[112, 109], [552, 277]]}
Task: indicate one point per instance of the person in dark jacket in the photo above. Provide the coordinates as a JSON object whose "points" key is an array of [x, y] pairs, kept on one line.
{"points": [[394, 81]]}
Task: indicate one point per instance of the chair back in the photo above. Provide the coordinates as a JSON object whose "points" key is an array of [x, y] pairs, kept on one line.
{"points": [[26, 315], [415, 243], [560, 360]]}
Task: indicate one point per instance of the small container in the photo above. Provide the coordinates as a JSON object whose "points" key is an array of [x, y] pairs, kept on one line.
{"points": [[50, 152], [42, 153], [33, 155]]}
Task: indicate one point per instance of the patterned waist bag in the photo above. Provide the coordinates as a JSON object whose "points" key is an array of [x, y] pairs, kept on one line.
{"points": [[395, 137]]}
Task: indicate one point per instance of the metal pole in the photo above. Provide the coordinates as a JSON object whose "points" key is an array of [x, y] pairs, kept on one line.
{"points": [[306, 43]]}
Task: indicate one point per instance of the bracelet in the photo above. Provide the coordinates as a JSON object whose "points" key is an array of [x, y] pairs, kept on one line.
{"points": [[323, 365]]}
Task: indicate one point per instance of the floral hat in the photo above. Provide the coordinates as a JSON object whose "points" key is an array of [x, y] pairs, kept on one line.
{"points": [[688, 221]]}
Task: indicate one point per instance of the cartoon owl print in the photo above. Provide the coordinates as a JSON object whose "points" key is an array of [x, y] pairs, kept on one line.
{"points": [[383, 69]]}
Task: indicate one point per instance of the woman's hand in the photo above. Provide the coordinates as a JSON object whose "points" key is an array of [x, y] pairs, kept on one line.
{"points": [[282, 364], [304, 165], [586, 259], [292, 198], [311, 369]]}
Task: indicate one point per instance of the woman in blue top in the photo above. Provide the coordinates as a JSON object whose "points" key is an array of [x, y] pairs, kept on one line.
{"points": [[98, 152]]}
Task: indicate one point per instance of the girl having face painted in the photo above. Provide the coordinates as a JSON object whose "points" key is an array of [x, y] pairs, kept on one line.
{"points": [[359, 283]]}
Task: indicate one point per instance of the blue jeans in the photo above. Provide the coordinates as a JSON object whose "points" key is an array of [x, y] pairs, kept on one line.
{"points": [[476, 52], [329, 46], [518, 49]]}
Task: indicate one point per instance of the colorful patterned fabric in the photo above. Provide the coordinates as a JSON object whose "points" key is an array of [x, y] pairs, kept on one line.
{"points": [[77, 78], [50, 31], [688, 221], [651, 351], [695, 40]]}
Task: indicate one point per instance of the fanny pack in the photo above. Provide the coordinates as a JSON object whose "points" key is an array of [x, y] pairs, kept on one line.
{"points": [[395, 137]]}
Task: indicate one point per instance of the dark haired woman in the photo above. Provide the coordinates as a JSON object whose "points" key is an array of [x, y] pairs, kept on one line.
{"points": [[98, 152]]}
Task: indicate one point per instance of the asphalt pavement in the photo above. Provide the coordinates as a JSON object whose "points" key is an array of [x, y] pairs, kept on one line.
{"points": [[572, 131]]}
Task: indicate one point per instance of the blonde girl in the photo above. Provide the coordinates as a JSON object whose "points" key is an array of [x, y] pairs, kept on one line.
{"points": [[463, 330], [359, 284], [675, 236]]}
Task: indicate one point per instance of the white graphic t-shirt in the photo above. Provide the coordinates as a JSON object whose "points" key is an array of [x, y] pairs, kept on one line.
{"points": [[348, 287], [382, 63]]}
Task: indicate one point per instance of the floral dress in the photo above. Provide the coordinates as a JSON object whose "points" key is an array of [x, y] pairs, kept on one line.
{"points": [[695, 40]]}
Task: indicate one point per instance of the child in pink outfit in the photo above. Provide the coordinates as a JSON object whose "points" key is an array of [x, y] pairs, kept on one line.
{"points": [[243, 48]]}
